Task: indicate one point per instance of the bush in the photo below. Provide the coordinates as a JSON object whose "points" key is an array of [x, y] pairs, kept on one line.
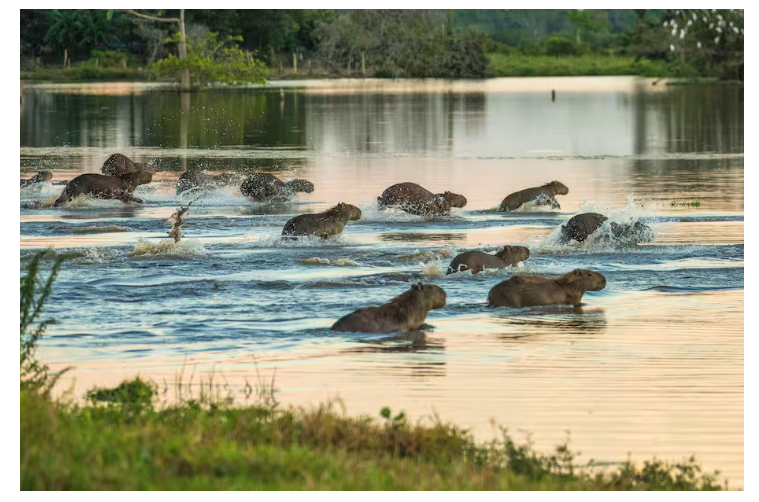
{"points": [[560, 46]]}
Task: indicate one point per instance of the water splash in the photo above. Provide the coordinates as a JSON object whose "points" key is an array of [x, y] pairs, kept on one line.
{"points": [[183, 249], [339, 262]]}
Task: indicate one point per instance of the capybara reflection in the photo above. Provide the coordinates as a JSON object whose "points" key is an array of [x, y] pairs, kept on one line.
{"points": [[414, 199], [325, 224], [543, 195], [105, 187], [37, 178], [405, 312], [203, 181], [477, 261], [579, 227], [120, 165], [528, 291], [260, 187]]}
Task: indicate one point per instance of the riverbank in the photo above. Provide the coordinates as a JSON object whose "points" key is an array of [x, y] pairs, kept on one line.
{"points": [[206, 443], [500, 66]]}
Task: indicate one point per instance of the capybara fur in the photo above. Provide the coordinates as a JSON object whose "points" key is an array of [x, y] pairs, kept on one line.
{"points": [[405, 312], [579, 227], [200, 180], [37, 178], [105, 187], [120, 165], [415, 199], [547, 192], [477, 261], [261, 187], [529, 291], [325, 224]]}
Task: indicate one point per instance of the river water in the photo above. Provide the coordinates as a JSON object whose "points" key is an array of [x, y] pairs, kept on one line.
{"points": [[650, 366]]}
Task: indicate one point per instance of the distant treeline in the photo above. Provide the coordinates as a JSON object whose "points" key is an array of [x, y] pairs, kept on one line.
{"points": [[393, 43]]}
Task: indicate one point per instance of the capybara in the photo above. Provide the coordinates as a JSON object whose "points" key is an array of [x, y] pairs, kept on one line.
{"points": [[330, 222], [579, 227], [37, 178], [415, 199], [405, 312], [201, 180], [119, 165], [105, 187], [260, 187], [528, 291], [477, 261], [545, 194]]}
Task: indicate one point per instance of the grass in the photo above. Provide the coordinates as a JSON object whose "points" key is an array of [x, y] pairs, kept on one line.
{"points": [[587, 65], [124, 438], [689, 203], [87, 73]]}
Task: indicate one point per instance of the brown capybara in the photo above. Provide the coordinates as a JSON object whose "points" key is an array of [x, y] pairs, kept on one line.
{"points": [[105, 187], [542, 195], [415, 199], [528, 291], [37, 178], [330, 222], [260, 187], [199, 180], [120, 165], [477, 261], [405, 312], [579, 227]]}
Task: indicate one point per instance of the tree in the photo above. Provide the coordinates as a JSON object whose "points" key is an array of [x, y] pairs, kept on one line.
{"points": [[185, 85]]}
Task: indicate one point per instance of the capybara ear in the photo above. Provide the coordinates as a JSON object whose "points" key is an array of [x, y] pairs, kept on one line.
{"points": [[418, 287]]}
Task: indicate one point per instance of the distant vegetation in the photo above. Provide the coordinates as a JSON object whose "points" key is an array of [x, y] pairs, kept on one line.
{"points": [[124, 438], [239, 45]]}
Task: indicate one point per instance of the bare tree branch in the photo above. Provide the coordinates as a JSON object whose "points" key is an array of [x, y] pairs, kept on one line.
{"points": [[161, 19]]}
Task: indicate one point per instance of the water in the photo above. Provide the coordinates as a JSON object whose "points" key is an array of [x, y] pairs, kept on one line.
{"points": [[651, 366]]}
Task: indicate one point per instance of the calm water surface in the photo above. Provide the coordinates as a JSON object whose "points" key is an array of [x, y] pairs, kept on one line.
{"points": [[652, 365]]}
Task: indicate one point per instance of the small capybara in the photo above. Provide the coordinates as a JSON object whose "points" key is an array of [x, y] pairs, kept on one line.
{"points": [[528, 291], [260, 187], [415, 199], [579, 227], [547, 192], [105, 187], [405, 312], [325, 224], [120, 165], [200, 180], [477, 261], [37, 178]]}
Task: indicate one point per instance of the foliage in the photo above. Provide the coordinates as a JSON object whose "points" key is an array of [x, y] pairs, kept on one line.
{"points": [[35, 376], [212, 60], [137, 393], [518, 65], [191, 445]]}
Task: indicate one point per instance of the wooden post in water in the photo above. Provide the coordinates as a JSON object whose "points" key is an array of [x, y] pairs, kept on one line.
{"points": [[553, 95]]}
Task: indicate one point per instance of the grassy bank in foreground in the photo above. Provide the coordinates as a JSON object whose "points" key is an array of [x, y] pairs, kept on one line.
{"points": [[589, 65], [129, 444]]}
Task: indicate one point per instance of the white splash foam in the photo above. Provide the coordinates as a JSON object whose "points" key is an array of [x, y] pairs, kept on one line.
{"points": [[186, 247], [339, 262]]}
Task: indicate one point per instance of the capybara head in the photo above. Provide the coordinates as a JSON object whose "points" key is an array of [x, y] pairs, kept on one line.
{"points": [[513, 254], [301, 186], [454, 199], [558, 188], [587, 280], [44, 176], [434, 296], [350, 212], [138, 178]]}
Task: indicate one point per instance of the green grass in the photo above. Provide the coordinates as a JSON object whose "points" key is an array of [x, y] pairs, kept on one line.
{"points": [[587, 65], [129, 444], [87, 73]]}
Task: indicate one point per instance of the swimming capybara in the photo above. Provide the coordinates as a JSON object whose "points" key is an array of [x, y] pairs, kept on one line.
{"points": [[542, 195], [579, 227], [105, 187], [330, 222], [260, 187], [527, 291], [477, 261], [414, 199], [37, 178], [201, 180], [119, 165], [405, 312]]}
